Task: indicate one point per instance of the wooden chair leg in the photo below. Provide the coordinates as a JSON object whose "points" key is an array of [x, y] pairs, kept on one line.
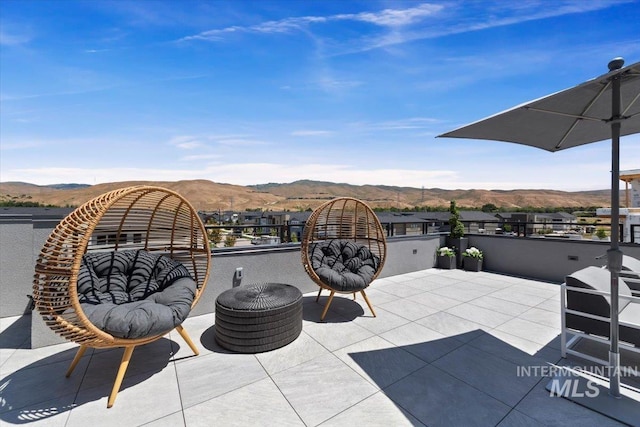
{"points": [[319, 292], [124, 364], [76, 359], [368, 303], [185, 336], [326, 306]]}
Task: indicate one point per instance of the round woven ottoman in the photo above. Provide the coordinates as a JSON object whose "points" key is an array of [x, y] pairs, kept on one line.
{"points": [[258, 318]]}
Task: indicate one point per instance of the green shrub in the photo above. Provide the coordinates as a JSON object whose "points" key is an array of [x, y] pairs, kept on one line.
{"points": [[457, 228], [215, 236], [229, 241]]}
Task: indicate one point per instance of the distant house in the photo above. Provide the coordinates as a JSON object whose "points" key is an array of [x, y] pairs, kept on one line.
{"points": [[437, 222], [403, 223], [296, 224], [220, 217], [529, 223], [479, 222], [474, 221], [560, 221]]}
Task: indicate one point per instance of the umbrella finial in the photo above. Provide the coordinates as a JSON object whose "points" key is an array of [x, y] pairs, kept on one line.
{"points": [[616, 63]]}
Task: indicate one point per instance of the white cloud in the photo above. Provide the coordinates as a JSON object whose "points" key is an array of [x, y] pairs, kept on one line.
{"points": [[240, 142], [198, 157], [548, 171], [395, 17], [191, 145], [7, 39], [411, 123], [400, 25], [186, 142], [311, 133], [192, 142], [331, 84], [384, 18]]}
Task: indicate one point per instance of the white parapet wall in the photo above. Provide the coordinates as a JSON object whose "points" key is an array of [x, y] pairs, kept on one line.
{"points": [[634, 191]]}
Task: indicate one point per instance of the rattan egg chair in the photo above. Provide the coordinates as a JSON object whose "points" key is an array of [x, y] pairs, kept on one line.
{"points": [[343, 248], [142, 219]]}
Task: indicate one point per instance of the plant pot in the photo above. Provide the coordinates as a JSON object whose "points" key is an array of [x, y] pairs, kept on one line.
{"points": [[472, 264], [461, 244], [446, 262]]}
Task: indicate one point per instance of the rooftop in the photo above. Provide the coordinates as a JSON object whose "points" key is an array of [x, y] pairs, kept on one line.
{"points": [[448, 347]]}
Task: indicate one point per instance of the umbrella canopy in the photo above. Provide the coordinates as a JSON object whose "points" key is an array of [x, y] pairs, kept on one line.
{"points": [[572, 117], [602, 108]]}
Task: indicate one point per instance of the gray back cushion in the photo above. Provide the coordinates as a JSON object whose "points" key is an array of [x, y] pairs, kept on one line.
{"points": [[344, 265], [135, 293]]}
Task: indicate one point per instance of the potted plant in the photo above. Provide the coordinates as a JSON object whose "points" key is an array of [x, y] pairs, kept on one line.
{"points": [[456, 234], [473, 259], [446, 258], [601, 233]]}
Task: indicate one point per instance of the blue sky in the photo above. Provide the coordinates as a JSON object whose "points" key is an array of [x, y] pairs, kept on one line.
{"points": [[251, 92]]}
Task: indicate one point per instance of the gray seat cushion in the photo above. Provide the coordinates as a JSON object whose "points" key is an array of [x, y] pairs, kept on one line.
{"points": [[134, 294], [343, 265]]}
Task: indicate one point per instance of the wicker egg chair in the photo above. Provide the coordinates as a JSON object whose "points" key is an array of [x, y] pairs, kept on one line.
{"points": [[142, 218], [338, 236]]}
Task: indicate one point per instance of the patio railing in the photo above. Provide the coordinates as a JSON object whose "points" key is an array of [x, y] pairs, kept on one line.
{"points": [[274, 234]]}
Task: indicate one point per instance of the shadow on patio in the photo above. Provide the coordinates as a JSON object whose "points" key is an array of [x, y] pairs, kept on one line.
{"points": [[446, 348]]}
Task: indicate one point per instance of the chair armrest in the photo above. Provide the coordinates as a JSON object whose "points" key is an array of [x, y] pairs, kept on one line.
{"points": [[635, 295]]}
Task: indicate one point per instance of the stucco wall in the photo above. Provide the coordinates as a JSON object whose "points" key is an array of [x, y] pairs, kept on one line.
{"points": [[21, 239], [543, 259], [16, 265]]}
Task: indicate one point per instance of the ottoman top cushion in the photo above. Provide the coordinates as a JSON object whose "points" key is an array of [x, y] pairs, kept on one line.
{"points": [[259, 297]]}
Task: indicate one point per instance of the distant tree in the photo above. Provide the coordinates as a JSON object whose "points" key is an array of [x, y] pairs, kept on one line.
{"points": [[489, 207], [215, 236], [23, 204], [229, 241]]}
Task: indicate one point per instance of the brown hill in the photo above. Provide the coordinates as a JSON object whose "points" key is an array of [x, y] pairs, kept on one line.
{"points": [[203, 194], [314, 192], [302, 195]]}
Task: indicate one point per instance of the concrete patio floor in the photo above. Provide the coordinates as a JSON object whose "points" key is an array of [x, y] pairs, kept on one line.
{"points": [[447, 348]]}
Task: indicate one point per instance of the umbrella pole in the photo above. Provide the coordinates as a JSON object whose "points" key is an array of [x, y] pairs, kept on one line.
{"points": [[614, 255]]}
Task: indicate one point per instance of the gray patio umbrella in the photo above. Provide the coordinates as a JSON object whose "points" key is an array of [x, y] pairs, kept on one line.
{"points": [[598, 109]]}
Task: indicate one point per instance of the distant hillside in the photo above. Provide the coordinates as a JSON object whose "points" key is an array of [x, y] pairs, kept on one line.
{"points": [[204, 195], [305, 194]]}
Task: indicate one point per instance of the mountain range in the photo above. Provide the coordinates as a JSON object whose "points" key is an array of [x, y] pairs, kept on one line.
{"points": [[306, 194]]}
